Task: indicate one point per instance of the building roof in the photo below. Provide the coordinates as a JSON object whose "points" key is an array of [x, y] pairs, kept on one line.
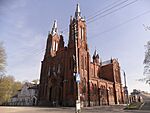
{"points": [[34, 87], [106, 62]]}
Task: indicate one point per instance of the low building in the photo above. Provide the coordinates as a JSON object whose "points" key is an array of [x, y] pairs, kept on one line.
{"points": [[26, 96], [136, 96]]}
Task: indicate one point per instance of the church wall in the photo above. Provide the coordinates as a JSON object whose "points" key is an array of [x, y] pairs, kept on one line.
{"points": [[57, 81], [107, 72]]}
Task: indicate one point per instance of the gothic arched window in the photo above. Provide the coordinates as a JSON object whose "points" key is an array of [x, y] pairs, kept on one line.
{"points": [[95, 89], [72, 86], [84, 86], [92, 89], [82, 62], [54, 44], [70, 63], [81, 32], [49, 71], [85, 63], [59, 69]]}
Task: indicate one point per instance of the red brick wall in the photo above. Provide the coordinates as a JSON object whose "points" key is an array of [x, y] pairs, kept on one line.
{"points": [[100, 84], [107, 72]]}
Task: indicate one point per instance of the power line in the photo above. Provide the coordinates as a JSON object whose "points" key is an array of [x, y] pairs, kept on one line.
{"points": [[92, 17], [102, 9], [96, 36], [123, 23], [107, 10], [88, 18], [113, 11], [103, 12]]}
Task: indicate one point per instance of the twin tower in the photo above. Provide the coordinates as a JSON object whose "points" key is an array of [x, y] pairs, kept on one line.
{"points": [[100, 81]]}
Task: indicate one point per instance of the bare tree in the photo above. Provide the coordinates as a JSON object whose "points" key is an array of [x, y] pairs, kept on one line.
{"points": [[147, 63], [2, 59]]}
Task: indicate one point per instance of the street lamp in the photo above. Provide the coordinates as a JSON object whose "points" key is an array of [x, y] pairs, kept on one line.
{"points": [[125, 89]]}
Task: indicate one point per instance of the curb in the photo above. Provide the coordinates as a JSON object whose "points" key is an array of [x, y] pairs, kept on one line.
{"points": [[141, 105]]}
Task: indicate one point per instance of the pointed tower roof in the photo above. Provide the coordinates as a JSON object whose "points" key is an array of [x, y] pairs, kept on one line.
{"points": [[78, 8], [95, 54], [54, 28], [78, 12], [96, 58]]}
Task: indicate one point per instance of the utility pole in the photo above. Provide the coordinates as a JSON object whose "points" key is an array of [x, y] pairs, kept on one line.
{"points": [[76, 72], [125, 89]]}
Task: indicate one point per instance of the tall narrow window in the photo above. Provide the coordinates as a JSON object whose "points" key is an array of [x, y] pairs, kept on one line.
{"points": [[82, 62], [49, 71], [49, 47], [84, 86], [70, 63], [54, 45], [58, 71], [50, 93], [81, 33], [54, 71], [72, 86], [85, 63], [92, 71]]}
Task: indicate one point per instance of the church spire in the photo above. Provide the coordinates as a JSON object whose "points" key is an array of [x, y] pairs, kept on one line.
{"points": [[95, 53], [78, 12], [96, 57], [54, 28]]}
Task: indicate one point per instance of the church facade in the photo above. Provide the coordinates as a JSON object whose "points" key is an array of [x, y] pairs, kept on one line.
{"points": [[100, 82]]}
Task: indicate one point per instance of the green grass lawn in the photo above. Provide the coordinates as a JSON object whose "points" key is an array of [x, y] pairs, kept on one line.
{"points": [[135, 105]]}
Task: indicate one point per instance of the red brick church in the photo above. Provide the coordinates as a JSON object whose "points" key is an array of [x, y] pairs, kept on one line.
{"points": [[100, 82]]}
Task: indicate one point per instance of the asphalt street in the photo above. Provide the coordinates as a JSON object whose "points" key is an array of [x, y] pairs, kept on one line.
{"points": [[146, 105], [99, 109]]}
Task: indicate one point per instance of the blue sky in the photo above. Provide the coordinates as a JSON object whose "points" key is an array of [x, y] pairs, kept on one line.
{"points": [[117, 33]]}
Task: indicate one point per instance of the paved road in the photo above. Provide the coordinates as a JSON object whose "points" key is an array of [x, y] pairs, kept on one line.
{"points": [[146, 105], [101, 109]]}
